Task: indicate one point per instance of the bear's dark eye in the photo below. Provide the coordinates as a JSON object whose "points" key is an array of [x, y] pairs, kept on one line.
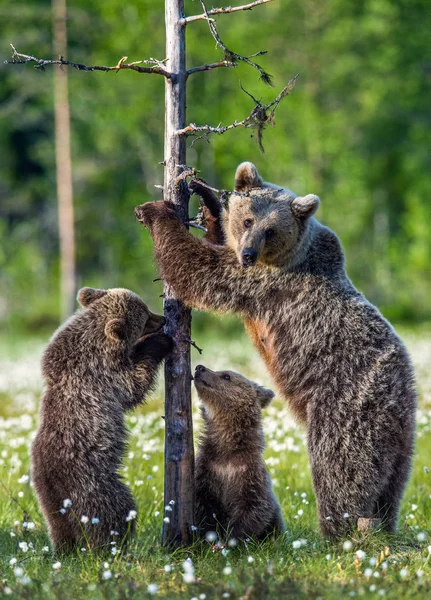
{"points": [[226, 376], [269, 234], [248, 223]]}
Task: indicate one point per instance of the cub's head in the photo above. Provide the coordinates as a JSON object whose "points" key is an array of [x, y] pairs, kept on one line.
{"points": [[225, 394], [263, 222], [118, 315]]}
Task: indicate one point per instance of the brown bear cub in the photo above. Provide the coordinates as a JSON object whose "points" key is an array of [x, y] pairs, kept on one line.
{"points": [[98, 364], [233, 489]]}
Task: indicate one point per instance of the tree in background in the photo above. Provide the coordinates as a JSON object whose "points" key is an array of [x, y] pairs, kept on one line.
{"points": [[66, 224]]}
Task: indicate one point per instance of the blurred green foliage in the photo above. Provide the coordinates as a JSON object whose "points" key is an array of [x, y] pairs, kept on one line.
{"points": [[356, 131]]}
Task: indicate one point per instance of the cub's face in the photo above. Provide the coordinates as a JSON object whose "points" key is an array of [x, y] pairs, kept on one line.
{"points": [[225, 391], [264, 223], [122, 315]]}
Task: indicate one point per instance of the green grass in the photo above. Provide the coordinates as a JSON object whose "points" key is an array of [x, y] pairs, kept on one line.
{"points": [[393, 567]]}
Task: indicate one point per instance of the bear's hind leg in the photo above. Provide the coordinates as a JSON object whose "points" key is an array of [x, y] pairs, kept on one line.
{"points": [[389, 502]]}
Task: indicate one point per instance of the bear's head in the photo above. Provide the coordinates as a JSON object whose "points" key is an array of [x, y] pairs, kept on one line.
{"points": [[226, 394], [266, 223], [119, 316]]}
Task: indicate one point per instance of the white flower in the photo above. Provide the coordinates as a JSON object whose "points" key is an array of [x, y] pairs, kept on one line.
{"points": [[373, 588], [63, 511], [18, 571], [95, 521], [384, 565], [114, 551], [368, 572], [328, 557], [107, 574], [421, 537], [168, 508], [45, 549], [211, 536], [167, 568], [227, 570], [171, 501], [414, 507], [56, 565], [360, 554], [376, 574], [189, 571], [202, 596], [13, 561], [347, 545], [382, 592], [7, 591], [250, 559], [329, 518], [296, 544], [132, 515], [67, 503], [404, 573], [346, 515], [84, 519], [300, 512], [372, 562], [152, 588], [28, 525], [167, 520], [24, 479], [23, 546]]}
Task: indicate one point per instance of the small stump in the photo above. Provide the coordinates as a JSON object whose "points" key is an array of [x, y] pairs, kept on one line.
{"points": [[368, 523]]}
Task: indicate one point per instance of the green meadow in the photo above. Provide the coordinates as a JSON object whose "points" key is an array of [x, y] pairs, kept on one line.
{"points": [[300, 564]]}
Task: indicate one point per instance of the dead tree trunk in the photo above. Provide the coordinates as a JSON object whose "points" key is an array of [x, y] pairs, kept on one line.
{"points": [[64, 165], [179, 455]]}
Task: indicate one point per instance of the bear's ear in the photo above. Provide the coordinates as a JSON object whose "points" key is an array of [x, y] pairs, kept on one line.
{"points": [[247, 177], [115, 329], [88, 295], [264, 395], [305, 206]]}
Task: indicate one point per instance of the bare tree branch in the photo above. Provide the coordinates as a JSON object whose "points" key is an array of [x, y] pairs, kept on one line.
{"points": [[222, 63], [258, 119], [225, 11], [231, 56], [157, 66]]}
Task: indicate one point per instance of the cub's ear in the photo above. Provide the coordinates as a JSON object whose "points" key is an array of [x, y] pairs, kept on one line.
{"points": [[115, 330], [305, 206], [88, 295], [247, 177], [264, 395]]}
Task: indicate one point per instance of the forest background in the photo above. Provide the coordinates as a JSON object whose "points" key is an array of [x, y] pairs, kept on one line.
{"points": [[355, 130]]}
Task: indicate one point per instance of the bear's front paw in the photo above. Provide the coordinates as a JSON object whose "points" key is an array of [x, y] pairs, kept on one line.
{"points": [[150, 212]]}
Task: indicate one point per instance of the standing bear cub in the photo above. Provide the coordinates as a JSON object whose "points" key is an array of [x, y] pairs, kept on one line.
{"points": [[100, 363], [337, 362], [233, 488]]}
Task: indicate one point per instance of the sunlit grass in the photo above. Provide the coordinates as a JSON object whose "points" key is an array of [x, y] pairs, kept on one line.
{"points": [[299, 565]]}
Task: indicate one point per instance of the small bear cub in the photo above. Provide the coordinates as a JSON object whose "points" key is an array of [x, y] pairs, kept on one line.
{"points": [[233, 488], [99, 363]]}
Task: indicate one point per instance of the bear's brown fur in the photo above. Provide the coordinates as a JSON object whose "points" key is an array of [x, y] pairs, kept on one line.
{"points": [[338, 363], [233, 489], [98, 364]]}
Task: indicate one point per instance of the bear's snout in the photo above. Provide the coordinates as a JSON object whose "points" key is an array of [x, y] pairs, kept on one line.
{"points": [[249, 257]]}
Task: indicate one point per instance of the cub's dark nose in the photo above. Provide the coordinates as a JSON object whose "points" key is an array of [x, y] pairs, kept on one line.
{"points": [[249, 257], [199, 369]]}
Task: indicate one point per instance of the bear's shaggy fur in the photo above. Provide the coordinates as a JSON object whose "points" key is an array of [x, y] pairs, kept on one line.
{"points": [[98, 364], [338, 363], [233, 488]]}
